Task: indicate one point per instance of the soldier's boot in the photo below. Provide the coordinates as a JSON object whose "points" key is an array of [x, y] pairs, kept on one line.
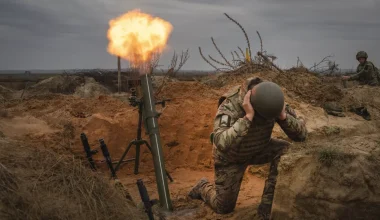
{"points": [[265, 207], [195, 192]]}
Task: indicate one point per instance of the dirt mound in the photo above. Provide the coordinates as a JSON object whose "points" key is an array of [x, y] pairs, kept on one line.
{"points": [[20, 126], [91, 89], [222, 80], [85, 87], [300, 69], [336, 178], [188, 90], [298, 84], [57, 84], [40, 184], [308, 87], [361, 96], [114, 134]]}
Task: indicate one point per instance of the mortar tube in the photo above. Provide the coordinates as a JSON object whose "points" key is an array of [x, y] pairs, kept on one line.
{"points": [[151, 123]]}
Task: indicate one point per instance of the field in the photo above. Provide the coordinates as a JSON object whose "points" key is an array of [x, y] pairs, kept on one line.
{"points": [[19, 81], [333, 175]]}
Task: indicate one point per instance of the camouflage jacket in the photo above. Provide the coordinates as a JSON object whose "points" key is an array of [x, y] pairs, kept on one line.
{"points": [[366, 73], [237, 139]]}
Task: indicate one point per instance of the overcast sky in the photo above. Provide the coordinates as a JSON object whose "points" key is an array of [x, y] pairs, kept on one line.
{"points": [[67, 34]]}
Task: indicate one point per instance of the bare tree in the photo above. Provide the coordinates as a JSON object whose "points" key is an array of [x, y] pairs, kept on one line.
{"points": [[154, 61], [241, 61], [173, 68], [332, 67], [322, 64]]}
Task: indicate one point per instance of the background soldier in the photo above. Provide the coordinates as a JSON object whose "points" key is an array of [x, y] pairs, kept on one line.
{"points": [[242, 136], [366, 72]]}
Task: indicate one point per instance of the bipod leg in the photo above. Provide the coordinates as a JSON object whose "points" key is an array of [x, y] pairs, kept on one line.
{"points": [[150, 149], [107, 156], [170, 177], [88, 151], [124, 154], [137, 158]]}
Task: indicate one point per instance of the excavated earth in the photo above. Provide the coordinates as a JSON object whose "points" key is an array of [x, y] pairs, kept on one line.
{"points": [[330, 176]]}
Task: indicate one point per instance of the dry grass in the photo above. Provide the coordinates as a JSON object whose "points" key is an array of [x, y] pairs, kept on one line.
{"points": [[328, 156], [39, 184]]}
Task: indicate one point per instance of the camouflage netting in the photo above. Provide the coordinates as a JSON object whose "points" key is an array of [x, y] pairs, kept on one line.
{"points": [[40, 184]]}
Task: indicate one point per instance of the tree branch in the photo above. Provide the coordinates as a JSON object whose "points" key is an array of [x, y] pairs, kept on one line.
{"points": [[204, 58], [245, 34], [242, 53], [261, 43], [221, 54], [216, 61], [325, 59], [184, 57]]}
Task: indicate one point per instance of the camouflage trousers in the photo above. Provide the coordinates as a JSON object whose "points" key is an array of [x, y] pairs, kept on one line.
{"points": [[222, 195]]}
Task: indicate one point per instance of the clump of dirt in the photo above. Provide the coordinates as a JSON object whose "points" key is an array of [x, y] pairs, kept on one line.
{"points": [[336, 178], [91, 88], [40, 184]]}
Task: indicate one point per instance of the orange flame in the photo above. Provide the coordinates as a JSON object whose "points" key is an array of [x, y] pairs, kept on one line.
{"points": [[135, 36]]}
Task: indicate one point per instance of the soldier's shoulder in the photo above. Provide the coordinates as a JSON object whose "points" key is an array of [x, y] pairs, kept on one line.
{"points": [[369, 65], [229, 94], [229, 102], [233, 92]]}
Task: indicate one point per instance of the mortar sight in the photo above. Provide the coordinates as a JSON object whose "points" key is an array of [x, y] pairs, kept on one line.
{"points": [[133, 101], [133, 91]]}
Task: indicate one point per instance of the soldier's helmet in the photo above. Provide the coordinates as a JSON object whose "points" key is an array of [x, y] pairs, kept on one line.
{"points": [[361, 54], [268, 100]]}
